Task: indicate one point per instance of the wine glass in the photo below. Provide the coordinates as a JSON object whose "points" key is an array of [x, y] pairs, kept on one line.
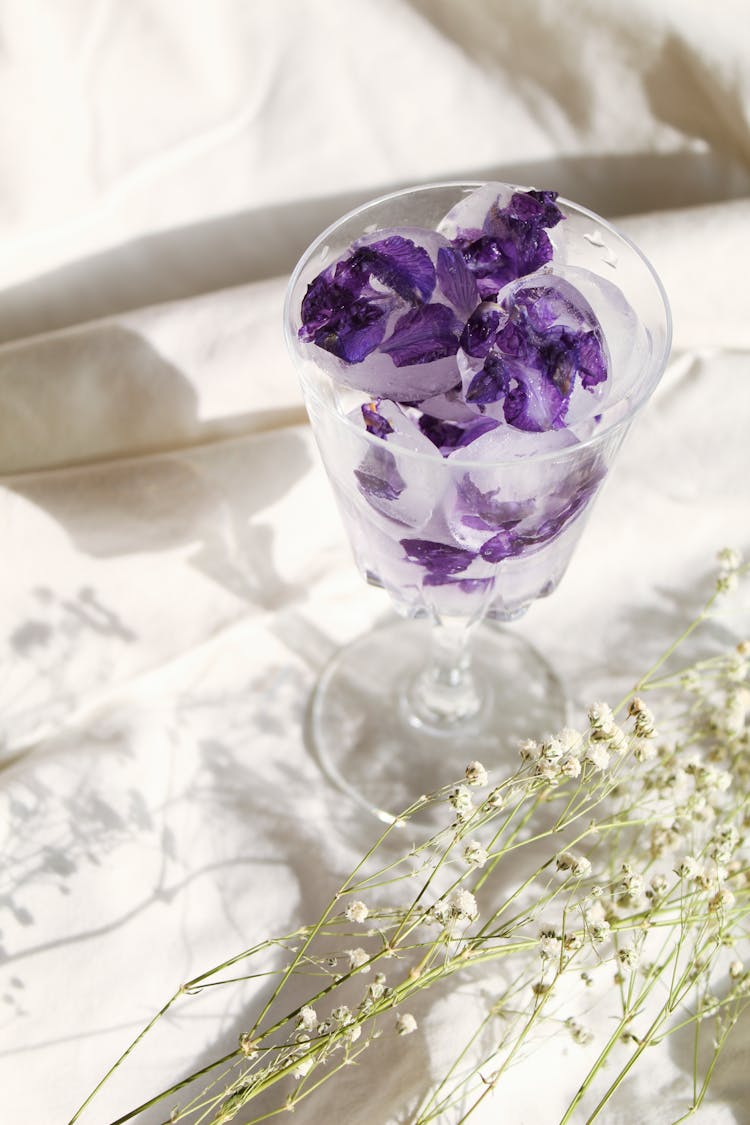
{"points": [[463, 478]]}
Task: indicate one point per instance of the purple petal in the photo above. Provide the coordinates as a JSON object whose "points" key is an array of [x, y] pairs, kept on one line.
{"points": [[338, 319], [591, 360], [423, 335], [438, 558], [490, 384], [480, 331], [474, 430], [455, 280], [375, 423], [484, 512], [378, 476], [534, 402], [513, 241], [448, 436], [465, 585], [399, 264], [504, 545], [538, 207]]}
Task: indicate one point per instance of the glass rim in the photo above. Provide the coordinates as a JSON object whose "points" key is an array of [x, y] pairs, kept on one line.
{"points": [[658, 363]]}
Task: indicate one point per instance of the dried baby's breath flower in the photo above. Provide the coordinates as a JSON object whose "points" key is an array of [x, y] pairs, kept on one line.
{"points": [[664, 838], [342, 1015], [597, 755], [644, 749], [495, 798], [357, 911], [406, 1023], [601, 721], [549, 944], [463, 906], [529, 750], [688, 867], [307, 1019], [579, 1034], [248, 1045], [628, 956], [631, 883], [643, 720], [460, 799], [577, 865], [570, 766], [439, 912], [729, 558], [734, 716], [476, 774], [599, 930], [475, 854], [659, 884], [722, 900], [358, 959]]}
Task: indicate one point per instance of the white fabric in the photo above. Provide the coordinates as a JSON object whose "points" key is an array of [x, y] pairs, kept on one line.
{"points": [[173, 571]]}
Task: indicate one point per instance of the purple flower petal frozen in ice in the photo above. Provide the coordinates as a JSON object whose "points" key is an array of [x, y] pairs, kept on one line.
{"points": [[387, 315], [503, 545], [422, 335], [480, 330], [484, 511], [455, 280], [510, 239], [378, 476], [374, 421], [437, 558], [345, 308], [340, 318], [535, 401], [490, 384], [448, 436], [398, 264], [547, 337], [465, 585]]}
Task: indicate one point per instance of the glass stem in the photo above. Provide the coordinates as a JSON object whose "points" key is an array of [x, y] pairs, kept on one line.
{"points": [[446, 693]]}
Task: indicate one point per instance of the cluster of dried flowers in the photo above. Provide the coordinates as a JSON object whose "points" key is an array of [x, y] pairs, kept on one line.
{"points": [[612, 864]]}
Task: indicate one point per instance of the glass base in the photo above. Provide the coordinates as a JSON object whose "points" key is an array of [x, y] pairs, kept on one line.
{"points": [[371, 744]]}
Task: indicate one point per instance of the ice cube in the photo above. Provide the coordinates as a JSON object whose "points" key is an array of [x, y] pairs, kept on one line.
{"points": [[467, 218], [387, 315], [396, 470]]}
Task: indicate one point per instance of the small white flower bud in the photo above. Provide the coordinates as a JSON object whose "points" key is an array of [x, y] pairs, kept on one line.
{"points": [[476, 774], [463, 906], [406, 1024], [358, 959], [356, 912], [307, 1019], [474, 854]]}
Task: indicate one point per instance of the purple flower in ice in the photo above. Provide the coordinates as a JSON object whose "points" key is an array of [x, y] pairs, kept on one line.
{"points": [[541, 520], [483, 511], [504, 545], [439, 559], [388, 314], [449, 436], [345, 309], [423, 334], [378, 477], [374, 421], [480, 331], [546, 337], [455, 280], [512, 240], [465, 585]]}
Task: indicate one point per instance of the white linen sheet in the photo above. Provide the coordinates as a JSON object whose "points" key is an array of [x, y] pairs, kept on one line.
{"points": [[173, 571]]}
